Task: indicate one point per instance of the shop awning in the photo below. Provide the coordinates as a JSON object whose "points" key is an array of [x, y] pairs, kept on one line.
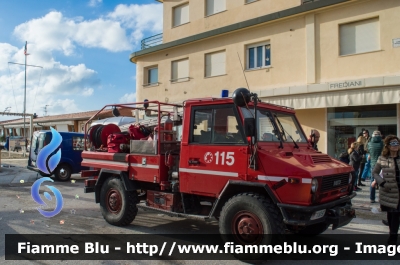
{"points": [[378, 121], [374, 96]]}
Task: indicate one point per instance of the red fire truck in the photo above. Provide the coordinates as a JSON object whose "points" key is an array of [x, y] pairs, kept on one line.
{"points": [[244, 162]]}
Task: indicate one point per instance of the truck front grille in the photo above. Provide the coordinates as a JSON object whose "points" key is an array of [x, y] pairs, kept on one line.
{"points": [[334, 182]]}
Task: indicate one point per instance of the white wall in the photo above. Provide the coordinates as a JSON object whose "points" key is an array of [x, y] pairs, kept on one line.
{"points": [[62, 127]]}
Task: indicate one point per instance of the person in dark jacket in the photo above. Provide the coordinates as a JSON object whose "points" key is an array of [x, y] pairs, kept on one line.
{"points": [[361, 150], [387, 175], [344, 157], [375, 147], [355, 161]]}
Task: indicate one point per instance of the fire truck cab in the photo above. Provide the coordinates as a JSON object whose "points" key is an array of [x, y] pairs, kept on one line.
{"points": [[239, 160]]}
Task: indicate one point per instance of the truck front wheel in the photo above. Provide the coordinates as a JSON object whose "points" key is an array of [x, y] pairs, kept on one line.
{"points": [[117, 205], [247, 217]]}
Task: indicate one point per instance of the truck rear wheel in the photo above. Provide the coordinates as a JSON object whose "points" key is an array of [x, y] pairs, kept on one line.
{"points": [[117, 205], [247, 217]]}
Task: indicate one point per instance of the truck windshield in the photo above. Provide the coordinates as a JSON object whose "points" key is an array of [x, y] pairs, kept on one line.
{"points": [[289, 127], [271, 125]]}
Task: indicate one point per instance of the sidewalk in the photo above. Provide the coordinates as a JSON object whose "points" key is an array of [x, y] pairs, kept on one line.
{"points": [[362, 201], [14, 171]]}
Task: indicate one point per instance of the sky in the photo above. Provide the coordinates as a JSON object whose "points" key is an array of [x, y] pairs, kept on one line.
{"points": [[82, 48]]}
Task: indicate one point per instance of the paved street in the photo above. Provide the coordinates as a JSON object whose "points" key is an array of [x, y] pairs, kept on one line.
{"points": [[81, 215]]}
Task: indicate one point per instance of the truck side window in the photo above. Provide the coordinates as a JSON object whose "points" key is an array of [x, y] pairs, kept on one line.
{"points": [[218, 125], [201, 131], [225, 129]]}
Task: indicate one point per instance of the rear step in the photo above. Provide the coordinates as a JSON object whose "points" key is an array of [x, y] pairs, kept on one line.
{"points": [[184, 215]]}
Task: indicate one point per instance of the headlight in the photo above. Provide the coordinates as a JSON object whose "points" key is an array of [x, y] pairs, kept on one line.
{"points": [[314, 185], [350, 177]]}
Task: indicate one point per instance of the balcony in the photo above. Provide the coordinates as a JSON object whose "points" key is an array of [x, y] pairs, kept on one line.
{"points": [[152, 41]]}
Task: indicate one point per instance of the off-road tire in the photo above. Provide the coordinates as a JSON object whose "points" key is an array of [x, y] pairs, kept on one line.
{"points": [[125, 212], [261, 210], [314, 230], [63, 172]]}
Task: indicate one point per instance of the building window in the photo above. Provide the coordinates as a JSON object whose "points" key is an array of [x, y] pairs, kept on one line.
{"points": [[215, 64], [258, 55], [151, 76], [181, 14], [359, 37], [180, 70], [215, 6]]}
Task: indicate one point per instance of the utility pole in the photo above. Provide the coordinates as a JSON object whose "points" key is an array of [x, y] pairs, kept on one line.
{"points": [[26, 54]]}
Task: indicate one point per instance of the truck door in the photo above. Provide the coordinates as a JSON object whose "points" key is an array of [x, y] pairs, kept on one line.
{"points": [[216, 150], [37, 143]]}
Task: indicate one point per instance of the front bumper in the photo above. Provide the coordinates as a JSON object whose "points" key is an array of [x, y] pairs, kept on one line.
{"points": [[37, 170], [338, 213]]}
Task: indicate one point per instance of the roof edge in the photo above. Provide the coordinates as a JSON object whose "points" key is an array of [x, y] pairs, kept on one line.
{"points": [[237, 26]]}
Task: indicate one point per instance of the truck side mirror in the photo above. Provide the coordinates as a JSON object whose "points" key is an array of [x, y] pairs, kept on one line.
{"points": [[249, 126]]}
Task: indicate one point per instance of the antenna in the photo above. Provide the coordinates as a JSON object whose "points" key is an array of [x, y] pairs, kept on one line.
{"points": [[7, 109], [45, 110], [243, 71]]}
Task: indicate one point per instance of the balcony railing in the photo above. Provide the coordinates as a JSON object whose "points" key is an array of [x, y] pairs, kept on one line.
{"points": [[152, 41]]}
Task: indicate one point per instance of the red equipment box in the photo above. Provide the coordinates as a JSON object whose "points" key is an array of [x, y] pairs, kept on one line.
{"points": [[162, 200]]}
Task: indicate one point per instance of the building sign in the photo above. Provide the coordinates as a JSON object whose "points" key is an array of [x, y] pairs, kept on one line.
{"points": [[396, 43], [347, 84]]}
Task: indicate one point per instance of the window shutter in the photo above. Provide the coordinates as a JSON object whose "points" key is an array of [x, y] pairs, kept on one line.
{"points": [[220, 6], [215, 64], [180, 69], [215, 6], [359, 37], [181, 15]]}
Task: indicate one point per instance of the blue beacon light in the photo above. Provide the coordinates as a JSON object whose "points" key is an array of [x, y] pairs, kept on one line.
{"points": [[224, 93]]}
